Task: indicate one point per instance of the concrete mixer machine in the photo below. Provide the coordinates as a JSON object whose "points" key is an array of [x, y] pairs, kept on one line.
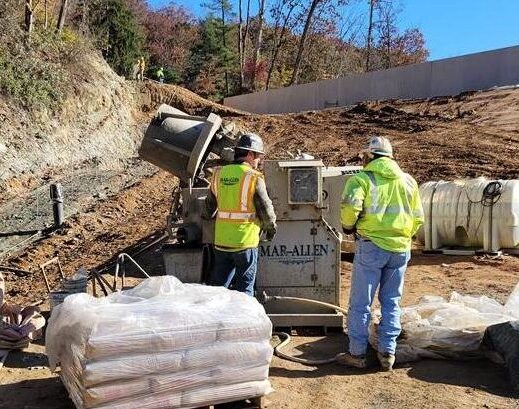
{"points": [[303, 260]]}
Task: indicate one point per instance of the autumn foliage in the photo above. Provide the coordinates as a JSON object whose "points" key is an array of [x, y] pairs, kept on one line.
{"points": [[235, 48]]}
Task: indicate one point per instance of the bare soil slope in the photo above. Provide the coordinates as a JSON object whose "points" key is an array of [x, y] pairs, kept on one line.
{"points": [[469, 135], [95, 126]]}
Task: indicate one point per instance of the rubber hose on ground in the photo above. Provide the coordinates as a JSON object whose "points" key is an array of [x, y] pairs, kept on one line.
{"points": [[15, 270], [310, 301], [285, 340]]}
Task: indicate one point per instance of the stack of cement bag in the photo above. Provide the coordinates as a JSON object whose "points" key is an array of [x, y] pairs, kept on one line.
{"points": [[163, 344]]}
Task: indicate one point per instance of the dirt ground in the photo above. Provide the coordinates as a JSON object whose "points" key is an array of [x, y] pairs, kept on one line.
{"points": [[26, 382], [470, 135], [135, 217], [476, 134]]}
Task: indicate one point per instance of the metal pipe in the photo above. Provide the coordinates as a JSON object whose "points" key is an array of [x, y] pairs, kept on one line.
{"points": [[56, 196]]}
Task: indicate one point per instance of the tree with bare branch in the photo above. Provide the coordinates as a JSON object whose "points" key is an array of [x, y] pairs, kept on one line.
{"points": [[283, 14], [257, 43], [62, 15], [302, 41], [372, 4], [387, 12]]}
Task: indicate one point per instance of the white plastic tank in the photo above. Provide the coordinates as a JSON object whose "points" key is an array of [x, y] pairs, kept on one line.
{"points": [[474, 213]]}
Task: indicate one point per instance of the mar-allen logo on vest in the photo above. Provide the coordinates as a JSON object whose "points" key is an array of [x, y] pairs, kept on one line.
{"points": [[229, 181], [294, 253]]}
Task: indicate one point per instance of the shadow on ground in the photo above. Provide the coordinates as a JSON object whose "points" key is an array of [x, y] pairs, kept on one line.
{"points": [[480, 374], [477, 374], [46, 393]]}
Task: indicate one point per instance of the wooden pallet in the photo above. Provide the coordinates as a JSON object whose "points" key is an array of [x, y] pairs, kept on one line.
{"points": [[252, 403]]}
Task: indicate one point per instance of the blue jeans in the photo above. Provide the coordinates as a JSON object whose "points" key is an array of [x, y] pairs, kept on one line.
{"points": [[237, 268], [374, 267]]}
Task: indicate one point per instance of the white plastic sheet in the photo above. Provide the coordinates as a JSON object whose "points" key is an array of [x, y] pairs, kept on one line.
{"points": [[161, 344], [440, 328], [454, 325]]}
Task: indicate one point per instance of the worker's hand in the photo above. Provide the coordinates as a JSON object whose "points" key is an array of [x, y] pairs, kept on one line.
{"points": [[270, 234]]}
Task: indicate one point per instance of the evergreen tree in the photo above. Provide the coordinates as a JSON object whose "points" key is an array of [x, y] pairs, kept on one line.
{"points": [[117, 33], [210, 60]]}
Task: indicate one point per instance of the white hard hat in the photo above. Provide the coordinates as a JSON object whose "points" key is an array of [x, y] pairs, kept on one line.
{"points": [[379, 145], [251, 142]]}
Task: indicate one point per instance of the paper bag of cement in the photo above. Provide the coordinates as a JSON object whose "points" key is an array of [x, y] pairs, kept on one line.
{"points": [[240, 354]]}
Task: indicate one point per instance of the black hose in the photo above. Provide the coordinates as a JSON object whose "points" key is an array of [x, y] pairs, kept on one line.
{"points": [[15, 270], [285, 340]]}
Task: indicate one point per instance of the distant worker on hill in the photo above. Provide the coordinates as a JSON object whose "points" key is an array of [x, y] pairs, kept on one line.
{"points": [[160, 74], [238, 196], [142, 67], [136, 69], [381, 206]]}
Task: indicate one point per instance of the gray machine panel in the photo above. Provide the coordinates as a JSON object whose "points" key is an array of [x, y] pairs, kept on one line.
{"points": [[303, 260], [277, 179], [303, 186]]}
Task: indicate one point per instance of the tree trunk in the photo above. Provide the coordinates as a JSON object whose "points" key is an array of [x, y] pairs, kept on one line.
{"points": [[257, 46], [278, 42], [240, 45], [84, 12], [244, 39], [62, 15], [46, 12], [29, 17], [300, 49], [370, 28], [224, 46]]}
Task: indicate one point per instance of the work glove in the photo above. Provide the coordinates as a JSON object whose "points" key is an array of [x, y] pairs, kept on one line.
{"points": [[270, 234]]}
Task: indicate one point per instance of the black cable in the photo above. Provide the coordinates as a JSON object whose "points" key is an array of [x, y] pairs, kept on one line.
{"points": [[490, 196], [492, 193]]}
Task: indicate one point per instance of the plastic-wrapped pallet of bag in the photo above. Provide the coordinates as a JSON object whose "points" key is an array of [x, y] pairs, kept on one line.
{"points": [[163, 344]]}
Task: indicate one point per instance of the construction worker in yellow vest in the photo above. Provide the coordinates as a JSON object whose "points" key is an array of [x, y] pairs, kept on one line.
{"points": [[239, 199], [142, 67], [381, 206]]}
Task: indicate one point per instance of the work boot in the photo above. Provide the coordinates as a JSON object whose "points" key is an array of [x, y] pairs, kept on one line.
{"points": [[386, 360], [357, 361]]}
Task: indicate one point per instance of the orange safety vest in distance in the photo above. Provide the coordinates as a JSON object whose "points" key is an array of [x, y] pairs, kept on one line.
{"points": [[237, 226]]}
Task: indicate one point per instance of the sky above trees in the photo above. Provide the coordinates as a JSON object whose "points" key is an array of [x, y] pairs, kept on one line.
{"points": [[450, 27]]}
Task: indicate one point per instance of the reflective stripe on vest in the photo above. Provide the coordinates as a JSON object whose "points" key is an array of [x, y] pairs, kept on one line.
{"points": [[242, 216], [214, 182]]}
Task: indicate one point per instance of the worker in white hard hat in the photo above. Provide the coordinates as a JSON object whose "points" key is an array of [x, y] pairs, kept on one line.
{"points": [[381, 206], [239, 199]]}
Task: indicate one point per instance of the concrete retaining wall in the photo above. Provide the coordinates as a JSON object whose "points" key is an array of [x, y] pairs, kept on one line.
{"points": [[442, 77]]}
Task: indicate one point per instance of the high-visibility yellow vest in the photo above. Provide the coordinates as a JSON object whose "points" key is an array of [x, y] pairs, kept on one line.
{"points": [[237, 226]]}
